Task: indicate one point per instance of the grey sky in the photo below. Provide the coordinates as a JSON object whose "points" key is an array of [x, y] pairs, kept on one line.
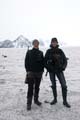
{"points": [[40, 19]]}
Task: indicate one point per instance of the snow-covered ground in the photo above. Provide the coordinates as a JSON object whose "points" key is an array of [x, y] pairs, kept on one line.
{"points": [[13, 91]]}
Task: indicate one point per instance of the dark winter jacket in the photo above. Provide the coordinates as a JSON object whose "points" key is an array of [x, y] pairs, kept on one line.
{"points": [[34, 60], [55, 60]]}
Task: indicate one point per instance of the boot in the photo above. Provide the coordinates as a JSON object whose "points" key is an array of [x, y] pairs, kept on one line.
{"points": [[66, 104], [36, 101], [29, 102], [28, 107], [54, 101], [64, 95], [36, 96]]}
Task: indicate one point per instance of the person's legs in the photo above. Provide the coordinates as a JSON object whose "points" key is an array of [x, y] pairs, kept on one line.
{"points": [[54, 90], [64, 88], [30, 93], [37, 81]]}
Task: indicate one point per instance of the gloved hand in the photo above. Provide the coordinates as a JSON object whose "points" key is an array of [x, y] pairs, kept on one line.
{"points": [[28, 72], [63, 68]]}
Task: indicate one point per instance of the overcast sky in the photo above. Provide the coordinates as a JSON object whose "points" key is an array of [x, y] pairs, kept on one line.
{"points": [[42, 19]]}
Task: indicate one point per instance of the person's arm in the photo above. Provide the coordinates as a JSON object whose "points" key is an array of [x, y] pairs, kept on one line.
{"points": [[64, 61], [27, 61], [42, 61], [46, 58]]}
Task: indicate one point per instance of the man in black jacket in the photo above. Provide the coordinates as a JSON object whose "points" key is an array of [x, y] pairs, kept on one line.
{"points": [[55, 63], [34, 65]]}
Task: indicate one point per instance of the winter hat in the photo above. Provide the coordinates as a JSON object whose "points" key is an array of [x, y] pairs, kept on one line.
{"points": [[54, 40]]}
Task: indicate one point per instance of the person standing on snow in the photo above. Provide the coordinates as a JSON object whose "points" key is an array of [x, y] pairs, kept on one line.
{"points": [[55, 63], [34, 65]]}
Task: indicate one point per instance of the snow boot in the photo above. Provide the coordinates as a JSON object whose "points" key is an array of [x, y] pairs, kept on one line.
{"points": [[54, 101], [29, 102], [64, 95], [36, 101]]}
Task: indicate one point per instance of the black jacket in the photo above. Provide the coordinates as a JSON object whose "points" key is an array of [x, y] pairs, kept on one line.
{"points": [[34, 60], [55, 60]]}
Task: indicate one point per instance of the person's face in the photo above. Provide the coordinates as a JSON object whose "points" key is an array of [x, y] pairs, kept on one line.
{"points": [[54, 44], [36, 44]]}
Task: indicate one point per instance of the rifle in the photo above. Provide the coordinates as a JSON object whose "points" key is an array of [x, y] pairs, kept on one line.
{"points": [[46, 73], [28, 48]]}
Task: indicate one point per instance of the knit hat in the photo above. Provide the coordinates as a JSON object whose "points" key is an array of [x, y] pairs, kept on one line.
{"points": [[54, 40]]}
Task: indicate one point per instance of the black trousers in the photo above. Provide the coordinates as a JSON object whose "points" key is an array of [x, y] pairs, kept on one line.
{"points": [[61, 78], [33, 84]]}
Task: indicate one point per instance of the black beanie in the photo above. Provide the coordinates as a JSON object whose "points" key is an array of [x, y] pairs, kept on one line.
{"points": [[54, 40]]}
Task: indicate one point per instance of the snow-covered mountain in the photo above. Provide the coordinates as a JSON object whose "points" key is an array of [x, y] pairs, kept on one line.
{"points": [[20, 42], [6, 44]]}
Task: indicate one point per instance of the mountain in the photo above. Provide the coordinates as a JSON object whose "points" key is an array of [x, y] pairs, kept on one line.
{"points": [[6, 44], [21, 42]]}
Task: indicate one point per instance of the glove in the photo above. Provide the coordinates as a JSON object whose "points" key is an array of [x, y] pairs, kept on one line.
{"points": [[63, 68]]}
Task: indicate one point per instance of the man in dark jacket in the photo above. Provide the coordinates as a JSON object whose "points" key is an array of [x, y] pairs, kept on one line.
{"points": [[34, 65], [55, 63]]}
